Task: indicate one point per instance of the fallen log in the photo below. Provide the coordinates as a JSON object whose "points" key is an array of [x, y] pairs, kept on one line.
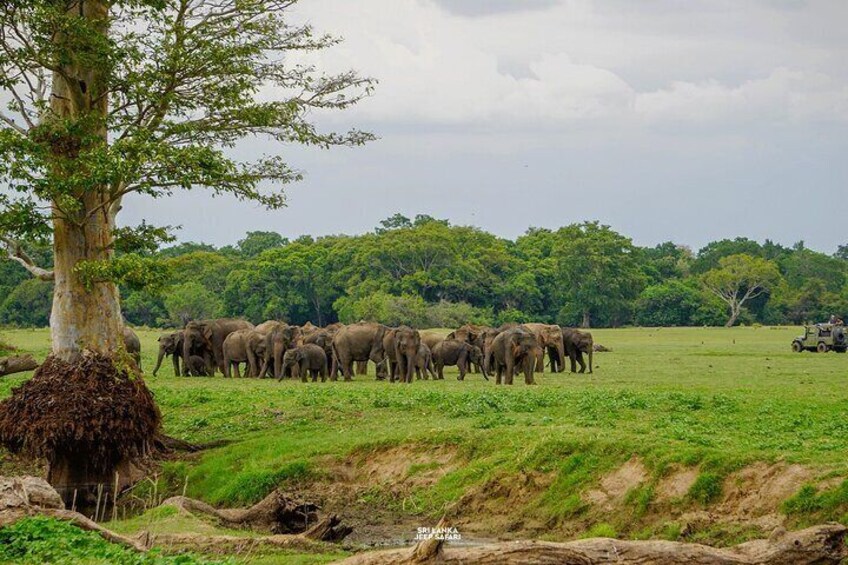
{"points": [[276, 513], [17, 364], [818, 545]]}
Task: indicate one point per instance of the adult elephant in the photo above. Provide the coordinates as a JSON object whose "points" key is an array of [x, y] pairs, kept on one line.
{"points": [[362, 341], [206, 338], [431, 339], [401, 348], [512, 350], [244, 346], [171, 344], [455, 352], [549, 337], [279, 337], [577, 343], [133, 345]]}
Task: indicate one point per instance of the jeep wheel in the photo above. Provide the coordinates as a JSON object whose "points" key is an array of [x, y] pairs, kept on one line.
{"points": [[822, 347], [797, 347]]}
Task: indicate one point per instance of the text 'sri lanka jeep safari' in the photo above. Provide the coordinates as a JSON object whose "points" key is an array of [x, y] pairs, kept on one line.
{"points": [[822, 338]]}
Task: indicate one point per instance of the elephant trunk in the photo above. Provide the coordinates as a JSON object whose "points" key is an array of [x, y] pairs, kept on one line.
{"points": [[186, 353], [589, 354], [159, 361]]}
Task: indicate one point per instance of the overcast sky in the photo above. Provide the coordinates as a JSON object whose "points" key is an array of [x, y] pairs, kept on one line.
{"points": [[682, 120]]}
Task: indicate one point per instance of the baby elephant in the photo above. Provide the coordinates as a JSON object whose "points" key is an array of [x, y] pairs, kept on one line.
{"points": [[424, 363], [306, 358], [197, 366], [459, 353]]}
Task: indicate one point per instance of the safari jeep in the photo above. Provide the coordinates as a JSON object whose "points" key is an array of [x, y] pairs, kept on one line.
{"points": [[822, 338]]}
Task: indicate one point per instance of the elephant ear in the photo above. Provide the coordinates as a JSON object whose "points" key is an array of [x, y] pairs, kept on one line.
{"points": [[206, 331], [451, 335]]}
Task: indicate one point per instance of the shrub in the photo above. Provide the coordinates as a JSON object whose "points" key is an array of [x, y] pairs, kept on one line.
{"points": [[706, 488]]}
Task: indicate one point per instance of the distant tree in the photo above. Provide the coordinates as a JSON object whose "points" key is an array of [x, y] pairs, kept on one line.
{"points": [[710, 255], [28, 304], [384, 308], [738, 279], [191, 301], [394, 222], [842, 252], [210, 269], [258, 241], [666, 261], [597, 272], [185, 248], [672, 303], [144, 308]]}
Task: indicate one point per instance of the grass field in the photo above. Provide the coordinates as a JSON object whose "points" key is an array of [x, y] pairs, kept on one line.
{"points": [[575, 455]]}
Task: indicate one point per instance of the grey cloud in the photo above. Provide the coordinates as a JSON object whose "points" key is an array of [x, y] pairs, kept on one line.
{"points": [[474, 8]]}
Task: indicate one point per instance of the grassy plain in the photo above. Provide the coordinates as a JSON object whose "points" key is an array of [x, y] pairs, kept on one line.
{"points": [[710, 399]]}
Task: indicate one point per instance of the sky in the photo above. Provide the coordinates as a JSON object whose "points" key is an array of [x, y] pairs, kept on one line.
{"points": [[681, 120]]}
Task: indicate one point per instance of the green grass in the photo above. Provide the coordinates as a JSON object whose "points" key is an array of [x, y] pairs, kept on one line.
{"points": [[713, 397]]}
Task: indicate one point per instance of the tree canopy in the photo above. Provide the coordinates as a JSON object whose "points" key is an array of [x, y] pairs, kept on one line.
{"points": [[429, 273]]}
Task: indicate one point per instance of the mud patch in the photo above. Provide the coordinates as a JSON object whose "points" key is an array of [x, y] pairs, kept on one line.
{"points": [[760, 489], [614, 486], [676, 484], [499, 504]]}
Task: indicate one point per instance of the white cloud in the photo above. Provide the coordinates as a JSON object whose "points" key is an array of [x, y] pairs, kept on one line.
{"points": [[679, 66]]}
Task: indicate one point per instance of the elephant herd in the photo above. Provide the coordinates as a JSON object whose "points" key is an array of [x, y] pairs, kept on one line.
{"points": [[402, 354], [205, 347]]}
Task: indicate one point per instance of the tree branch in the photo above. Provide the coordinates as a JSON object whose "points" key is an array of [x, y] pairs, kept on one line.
{"points": [[15, 252]]}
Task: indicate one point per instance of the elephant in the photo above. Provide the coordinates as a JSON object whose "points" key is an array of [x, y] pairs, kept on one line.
{"points": [[514, 349], [307, 359], [577, 343], [431, 339], [550, 338], [206, 338], [133, 345], [278, 340], [197, 366], [171, 344], [308, 328], [362, 341], [487, 338], [324, 339], [424, 363], [401, 349], [244, 346], [455, 352], [474, 335]]}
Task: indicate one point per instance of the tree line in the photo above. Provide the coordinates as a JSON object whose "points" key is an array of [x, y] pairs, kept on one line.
{"points": [[425, 272]]}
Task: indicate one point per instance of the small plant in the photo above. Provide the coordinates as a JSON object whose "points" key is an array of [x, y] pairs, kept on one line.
{"points": [[706, 488], [601, 530]]}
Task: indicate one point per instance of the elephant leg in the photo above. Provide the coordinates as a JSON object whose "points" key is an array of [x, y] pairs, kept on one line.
{"points": [[462, 370], [589, 354], [540, 363], [581, 362], [528, 371], [304, 371], [510, 371]]}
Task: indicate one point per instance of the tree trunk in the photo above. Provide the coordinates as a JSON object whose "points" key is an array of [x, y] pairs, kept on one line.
{"points": [[17, 364], [83, 317], [587, 320], [735, 310]]}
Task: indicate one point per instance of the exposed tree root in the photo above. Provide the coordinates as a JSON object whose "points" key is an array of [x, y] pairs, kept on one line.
{"points": [[8, 517], [17, 364], [276, 513], [817, 545]]}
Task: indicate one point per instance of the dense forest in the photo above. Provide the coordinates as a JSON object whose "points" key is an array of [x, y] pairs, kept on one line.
{"points": [[427, 273]]}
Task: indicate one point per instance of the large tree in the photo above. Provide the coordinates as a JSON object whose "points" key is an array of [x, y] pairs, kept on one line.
{"points": [[113, 97], [739, 279]]}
